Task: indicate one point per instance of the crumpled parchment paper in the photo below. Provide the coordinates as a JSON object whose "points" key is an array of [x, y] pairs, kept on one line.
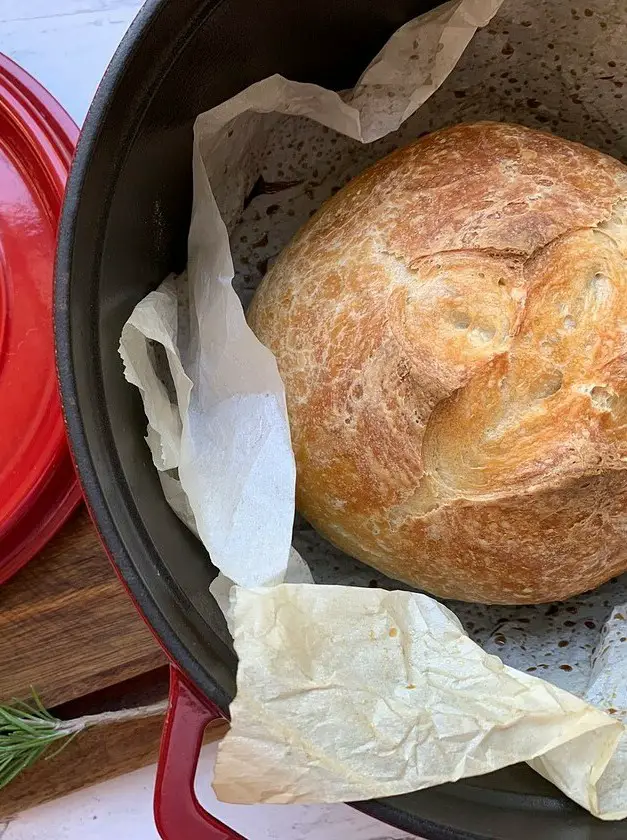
{"points": [[390, 695], [347, 692]]}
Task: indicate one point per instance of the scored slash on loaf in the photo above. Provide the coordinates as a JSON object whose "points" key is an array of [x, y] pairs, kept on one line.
{"points": [[450, 330]]}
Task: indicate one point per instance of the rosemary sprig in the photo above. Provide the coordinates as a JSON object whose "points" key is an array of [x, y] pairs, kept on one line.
{"points": [[26, 733], [28, 730]]}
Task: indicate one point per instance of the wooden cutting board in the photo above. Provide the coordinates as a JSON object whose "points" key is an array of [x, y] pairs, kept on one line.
{"points": [[67, 626], [69, 629]]}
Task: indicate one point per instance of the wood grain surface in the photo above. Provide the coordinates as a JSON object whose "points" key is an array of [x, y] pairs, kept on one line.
{"points": [[67, 626], [93, 756], [69, 629]]}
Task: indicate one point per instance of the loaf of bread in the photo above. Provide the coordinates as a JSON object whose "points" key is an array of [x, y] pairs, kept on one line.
{"points": [[451, 329]]}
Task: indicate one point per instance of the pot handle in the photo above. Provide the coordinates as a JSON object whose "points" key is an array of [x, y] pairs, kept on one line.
{"points": [[178, 813]]}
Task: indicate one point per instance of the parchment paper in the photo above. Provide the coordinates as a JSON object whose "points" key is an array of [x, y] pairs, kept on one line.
{"points": [[390, 696], [324, 709]]}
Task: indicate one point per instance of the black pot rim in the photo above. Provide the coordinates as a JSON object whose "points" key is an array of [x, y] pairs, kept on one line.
{"points": [[95, 499]]}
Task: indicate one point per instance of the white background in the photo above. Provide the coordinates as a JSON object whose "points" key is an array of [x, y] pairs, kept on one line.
{"points": [[66, 44]]}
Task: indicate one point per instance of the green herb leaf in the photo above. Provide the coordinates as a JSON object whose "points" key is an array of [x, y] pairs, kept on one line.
{"points": [[26, 733]]}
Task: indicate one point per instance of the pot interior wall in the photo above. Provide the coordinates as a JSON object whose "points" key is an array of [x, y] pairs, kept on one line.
{"points": [[124, 229]]}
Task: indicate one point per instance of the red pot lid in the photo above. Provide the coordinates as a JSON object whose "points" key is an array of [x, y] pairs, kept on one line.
{"points": [[38, 486]]}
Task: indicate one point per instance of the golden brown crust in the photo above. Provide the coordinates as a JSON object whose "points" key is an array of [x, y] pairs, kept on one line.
{"points": [[451, 329]]}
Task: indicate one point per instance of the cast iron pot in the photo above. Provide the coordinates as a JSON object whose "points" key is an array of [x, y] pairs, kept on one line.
{"points": [[124, 228]]}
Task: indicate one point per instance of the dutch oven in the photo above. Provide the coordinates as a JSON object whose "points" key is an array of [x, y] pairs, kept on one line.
{"points": [[124, 228]]}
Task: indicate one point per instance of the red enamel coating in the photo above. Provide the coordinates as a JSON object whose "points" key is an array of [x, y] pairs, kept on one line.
{"points": [[38, 487], [178, 813]]}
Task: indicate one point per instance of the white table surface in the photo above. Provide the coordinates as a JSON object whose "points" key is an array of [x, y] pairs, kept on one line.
{"points": [[66, 44]]}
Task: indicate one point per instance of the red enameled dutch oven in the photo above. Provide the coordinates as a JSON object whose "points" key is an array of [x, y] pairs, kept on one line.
{"points": [[124, 228], [38, 485]]}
